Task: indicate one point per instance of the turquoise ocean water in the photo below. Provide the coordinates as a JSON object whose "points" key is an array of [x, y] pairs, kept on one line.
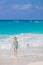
{"points": [[20, 26]]}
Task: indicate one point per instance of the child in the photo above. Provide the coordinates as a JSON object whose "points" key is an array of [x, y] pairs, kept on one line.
{"points": [[15, 45]]}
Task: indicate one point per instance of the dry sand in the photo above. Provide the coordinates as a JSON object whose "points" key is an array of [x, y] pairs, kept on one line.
{"points": [[36, 63], [24, 60], [29, 57]]}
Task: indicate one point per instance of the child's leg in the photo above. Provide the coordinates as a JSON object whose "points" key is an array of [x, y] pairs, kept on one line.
{"points": [[15, 56], [15, 53]]}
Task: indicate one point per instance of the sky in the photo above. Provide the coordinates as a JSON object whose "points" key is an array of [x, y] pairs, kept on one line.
{"points": [[21, 9]]}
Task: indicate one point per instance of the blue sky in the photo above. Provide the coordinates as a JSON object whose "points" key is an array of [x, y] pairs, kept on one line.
{"points": [[21, 9]]}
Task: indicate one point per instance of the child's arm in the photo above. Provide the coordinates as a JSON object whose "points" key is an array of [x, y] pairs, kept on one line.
{"points": [[13, 44]]}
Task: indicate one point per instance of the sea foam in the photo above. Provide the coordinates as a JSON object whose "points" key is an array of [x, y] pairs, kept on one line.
{"points": [[24, 40]]}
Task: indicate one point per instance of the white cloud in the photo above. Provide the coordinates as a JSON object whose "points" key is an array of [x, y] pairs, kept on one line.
{"points": [[22, 7], [39, 7], [26, 6]]}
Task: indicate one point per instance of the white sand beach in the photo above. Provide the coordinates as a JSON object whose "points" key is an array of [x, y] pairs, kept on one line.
{"points": [[26, 56], [37, 63]]}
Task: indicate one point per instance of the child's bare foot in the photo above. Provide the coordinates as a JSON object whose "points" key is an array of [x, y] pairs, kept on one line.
{"points": [[16, 60]]}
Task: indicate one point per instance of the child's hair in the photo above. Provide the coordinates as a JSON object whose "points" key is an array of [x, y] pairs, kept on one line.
{"points": [[15, 38]]}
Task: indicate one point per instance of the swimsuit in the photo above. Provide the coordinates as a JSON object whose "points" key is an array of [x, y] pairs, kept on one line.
{"points": [[15, 45]]}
